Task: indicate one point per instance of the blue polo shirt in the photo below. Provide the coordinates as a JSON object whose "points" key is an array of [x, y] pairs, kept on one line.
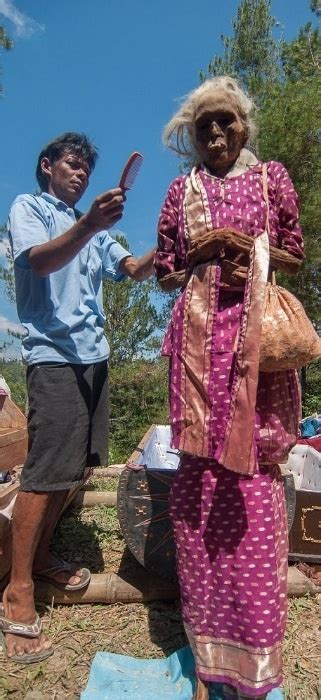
{"points": [[62, 313]]}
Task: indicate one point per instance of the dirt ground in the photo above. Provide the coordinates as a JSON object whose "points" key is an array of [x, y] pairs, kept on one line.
{"points": [[92, 536]]}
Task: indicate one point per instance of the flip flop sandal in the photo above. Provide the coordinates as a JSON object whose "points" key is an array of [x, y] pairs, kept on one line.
{"points": [[22, 629], [48, 575]]}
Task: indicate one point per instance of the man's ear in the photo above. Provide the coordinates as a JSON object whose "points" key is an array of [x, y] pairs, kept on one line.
{"points": [[46, 166]]}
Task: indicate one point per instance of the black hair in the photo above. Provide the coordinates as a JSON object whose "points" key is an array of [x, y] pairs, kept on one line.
{"points": [[70, 142]]}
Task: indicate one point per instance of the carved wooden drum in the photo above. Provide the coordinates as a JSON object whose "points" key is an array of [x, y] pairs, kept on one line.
{"points": [[143, 504]]}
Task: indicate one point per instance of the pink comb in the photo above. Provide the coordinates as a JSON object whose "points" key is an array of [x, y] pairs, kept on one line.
{"points": [[130, 171]]}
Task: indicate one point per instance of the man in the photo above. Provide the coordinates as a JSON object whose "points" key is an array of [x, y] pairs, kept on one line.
{"points": [[60, 257]]}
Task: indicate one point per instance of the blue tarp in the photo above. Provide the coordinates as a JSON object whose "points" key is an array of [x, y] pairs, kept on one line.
{"points": [[117, 677]]}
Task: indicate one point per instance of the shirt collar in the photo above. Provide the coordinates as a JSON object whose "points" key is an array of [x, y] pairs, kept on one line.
{"points": [[58, 203]]}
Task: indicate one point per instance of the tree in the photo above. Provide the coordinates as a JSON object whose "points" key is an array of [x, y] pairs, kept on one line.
{"points": [[316, 7], [132, 319], [285, 80], [138, 398], [6, 271], [5, 43], [251, 54]]}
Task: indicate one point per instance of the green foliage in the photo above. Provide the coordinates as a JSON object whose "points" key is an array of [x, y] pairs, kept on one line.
{"points": [[251, 54], [5, 43], [131, 317], [138, 398], [289, 132], [315, 6], [301, 58], [14, 373], [312, 393], [285, 79], [6, 271]]}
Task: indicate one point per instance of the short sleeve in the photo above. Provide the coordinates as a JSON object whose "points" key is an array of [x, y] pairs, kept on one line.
{"points": [[286, 201], [27, 227], [167, 233], [112, 255]]}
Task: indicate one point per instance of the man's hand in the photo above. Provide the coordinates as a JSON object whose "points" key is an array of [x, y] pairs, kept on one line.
{"points": [[105, 211], [49, 257], [139, 269]]}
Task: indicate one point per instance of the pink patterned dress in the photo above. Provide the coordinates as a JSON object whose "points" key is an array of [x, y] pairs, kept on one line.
{"points": [[227, 502]]}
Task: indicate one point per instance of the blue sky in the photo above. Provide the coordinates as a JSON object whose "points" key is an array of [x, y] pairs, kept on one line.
{"points": [[115, 70]]}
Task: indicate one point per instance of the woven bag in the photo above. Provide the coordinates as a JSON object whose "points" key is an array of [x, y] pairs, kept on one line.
{"points": [[288, 339]]}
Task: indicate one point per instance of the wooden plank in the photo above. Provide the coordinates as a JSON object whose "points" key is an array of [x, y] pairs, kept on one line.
{"points": [[10, 435], [13, 435], [8, 492], [10, 414], [13, 454]]}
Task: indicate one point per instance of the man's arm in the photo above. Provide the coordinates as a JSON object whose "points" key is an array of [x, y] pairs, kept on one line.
{"points": [[138, 269], [105, 211]]}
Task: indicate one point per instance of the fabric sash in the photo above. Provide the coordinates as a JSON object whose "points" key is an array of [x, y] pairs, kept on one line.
{"points": [[199, 321]]}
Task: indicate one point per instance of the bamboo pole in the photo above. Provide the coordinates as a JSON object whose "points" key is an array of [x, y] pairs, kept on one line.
{"points": [[87, 499], [111, 588], [112, 470]]}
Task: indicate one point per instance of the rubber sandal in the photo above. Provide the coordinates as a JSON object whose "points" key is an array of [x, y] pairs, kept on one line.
{"points": [[22, 629], [48, 575]]}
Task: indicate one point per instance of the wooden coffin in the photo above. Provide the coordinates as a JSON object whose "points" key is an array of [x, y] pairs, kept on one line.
{"points": [[13, 435], [304, 464], [142, 503]]}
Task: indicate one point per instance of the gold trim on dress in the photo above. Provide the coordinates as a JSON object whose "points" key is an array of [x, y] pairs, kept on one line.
{"points": [[251, 666]]}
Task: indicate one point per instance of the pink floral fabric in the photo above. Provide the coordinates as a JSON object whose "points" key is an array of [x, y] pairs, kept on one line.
{"points": [[230, 530], [237, 202]]}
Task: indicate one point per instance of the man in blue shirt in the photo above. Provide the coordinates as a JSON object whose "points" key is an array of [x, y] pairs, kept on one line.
{"points": [[61, 257]]}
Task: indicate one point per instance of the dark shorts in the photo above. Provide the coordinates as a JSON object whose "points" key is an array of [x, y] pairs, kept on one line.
{"points": [[67, 424]]}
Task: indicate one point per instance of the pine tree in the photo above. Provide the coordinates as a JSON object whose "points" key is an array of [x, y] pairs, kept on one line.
{"points": [[131, 318], [5, 43], [285, 80]]}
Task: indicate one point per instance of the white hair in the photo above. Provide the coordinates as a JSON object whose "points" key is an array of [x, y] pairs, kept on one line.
{"points": [[179, 133]]}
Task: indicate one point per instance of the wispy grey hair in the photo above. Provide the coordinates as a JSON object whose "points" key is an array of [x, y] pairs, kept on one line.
{"points": [[179, 133]]}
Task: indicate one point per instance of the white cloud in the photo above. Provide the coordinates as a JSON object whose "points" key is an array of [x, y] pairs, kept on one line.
{"points": [[7, 326], [24, 25]]}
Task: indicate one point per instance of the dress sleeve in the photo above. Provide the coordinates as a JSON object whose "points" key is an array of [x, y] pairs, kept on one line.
{"points": [[290, 233], [165, 257]]}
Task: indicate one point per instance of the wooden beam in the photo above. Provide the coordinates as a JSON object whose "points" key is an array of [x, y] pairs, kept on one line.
{"points": [[112, 470], [87, 499], [142, 587]]}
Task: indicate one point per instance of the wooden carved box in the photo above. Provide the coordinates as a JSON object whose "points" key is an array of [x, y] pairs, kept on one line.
{"points": [[304, 464], [143, 502], [13, 434]]}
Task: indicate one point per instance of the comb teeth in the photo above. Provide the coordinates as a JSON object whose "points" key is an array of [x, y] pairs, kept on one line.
{"points": [[130, 171]]}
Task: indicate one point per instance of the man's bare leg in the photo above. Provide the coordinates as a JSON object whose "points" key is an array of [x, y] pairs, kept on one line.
{"points": [[29, 519], [43, 558]]}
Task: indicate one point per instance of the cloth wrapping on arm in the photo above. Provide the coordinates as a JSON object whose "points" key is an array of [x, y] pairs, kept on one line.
{"points": [[232, 249]]}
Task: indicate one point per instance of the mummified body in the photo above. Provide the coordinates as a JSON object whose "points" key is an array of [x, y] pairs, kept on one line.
{"points": [[232, 423]]}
